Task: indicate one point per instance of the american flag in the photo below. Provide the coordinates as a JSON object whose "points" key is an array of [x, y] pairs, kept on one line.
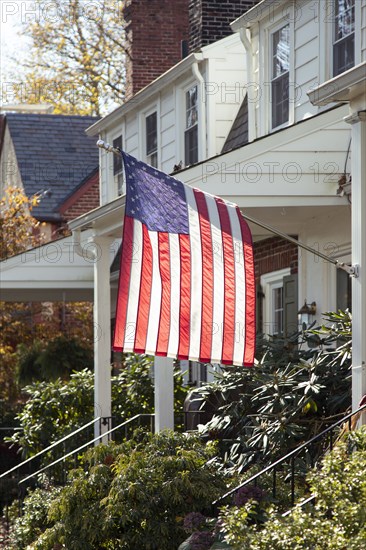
{"points": [[186, 284]]}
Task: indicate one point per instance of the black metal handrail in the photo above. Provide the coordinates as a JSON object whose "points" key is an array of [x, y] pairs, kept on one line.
{"points": [[291, 456], [107, 434], [50, 447]]}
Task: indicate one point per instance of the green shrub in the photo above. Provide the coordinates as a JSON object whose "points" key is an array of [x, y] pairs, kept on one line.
{"points": [[338, 521], [133, 495], [56, 408], [290, 395], [33, 522], [49, 360]]}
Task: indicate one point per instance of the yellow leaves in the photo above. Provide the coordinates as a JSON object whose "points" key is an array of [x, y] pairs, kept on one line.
{"points": [[310, 406], [19, 230]]}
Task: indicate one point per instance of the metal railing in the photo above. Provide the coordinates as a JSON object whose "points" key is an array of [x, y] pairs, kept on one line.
{"points": [[125, 425], [50, 447], [125, 429], [290, 460]]}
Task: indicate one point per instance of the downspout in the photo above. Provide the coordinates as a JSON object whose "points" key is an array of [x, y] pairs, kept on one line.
{"points": [[245, 37], [80, 251], [202, 125]]}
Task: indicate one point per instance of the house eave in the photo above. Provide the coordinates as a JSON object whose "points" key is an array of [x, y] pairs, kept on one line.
{"points": [[342, 88], [165, 79], [106, 219], [253, 15]]}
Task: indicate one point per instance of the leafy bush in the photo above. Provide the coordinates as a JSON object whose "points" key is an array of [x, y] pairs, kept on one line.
{"points": [[338, 520], [33, 522], [53, 359], [133, 495], [291, 394], [56, 408]]}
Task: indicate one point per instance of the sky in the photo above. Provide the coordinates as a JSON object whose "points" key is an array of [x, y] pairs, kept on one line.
{"points": [[13, 43]]}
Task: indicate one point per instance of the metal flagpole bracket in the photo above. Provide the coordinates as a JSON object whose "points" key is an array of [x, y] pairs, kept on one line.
{"points": [[353, 270], [108, 147]]}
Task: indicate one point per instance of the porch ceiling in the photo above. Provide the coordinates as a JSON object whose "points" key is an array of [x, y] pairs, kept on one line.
{"points": [[292, 220]]}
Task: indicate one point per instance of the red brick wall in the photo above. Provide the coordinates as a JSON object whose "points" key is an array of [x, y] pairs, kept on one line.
{"points": [[84, 199], [155, 30], [273, 254]]}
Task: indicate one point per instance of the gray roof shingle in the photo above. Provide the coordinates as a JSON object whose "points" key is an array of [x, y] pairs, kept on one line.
{"points": [[54, 154], [238, 134]]}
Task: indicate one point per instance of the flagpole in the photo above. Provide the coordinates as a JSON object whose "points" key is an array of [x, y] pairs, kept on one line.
{"points": [[351, 270]]}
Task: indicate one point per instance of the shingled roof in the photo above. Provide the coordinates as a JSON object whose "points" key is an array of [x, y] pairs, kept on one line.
{"points": [[54, 156], [238, 135]]}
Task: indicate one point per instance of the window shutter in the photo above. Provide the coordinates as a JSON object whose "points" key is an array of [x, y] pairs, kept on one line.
{"points": [[290, 304]]}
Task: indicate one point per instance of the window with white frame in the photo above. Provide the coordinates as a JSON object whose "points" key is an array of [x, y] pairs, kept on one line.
{"points": [[273, 304], [151, 122], [191, 126], [118, 166], [280, 71], [343, 36]]}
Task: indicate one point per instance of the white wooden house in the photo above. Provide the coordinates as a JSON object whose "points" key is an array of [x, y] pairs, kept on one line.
{"points": [[261, 118], [181, 118], [291, 172]]}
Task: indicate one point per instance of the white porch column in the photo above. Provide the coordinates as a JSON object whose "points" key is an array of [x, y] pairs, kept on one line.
{"points": [[358, 122], [102, 333], [164, 393]]}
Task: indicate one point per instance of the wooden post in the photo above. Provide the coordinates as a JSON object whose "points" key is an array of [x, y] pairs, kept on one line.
{"points": [[164, 393], [358, 124], [102, 334]]}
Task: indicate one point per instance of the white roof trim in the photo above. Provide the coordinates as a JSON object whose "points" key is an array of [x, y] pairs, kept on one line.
{"points": [[342, 88], [146, 93], [253, 15], [53, 271]]}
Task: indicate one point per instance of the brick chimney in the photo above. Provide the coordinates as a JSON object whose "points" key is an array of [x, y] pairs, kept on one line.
{"points": [[155, 31], [210, 19]]}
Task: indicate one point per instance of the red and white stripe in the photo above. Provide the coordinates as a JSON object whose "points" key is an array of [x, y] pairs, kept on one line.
{"points": [[189, 296]]}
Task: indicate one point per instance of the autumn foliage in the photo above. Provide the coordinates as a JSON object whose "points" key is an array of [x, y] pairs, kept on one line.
{"points": [[23, 325]]}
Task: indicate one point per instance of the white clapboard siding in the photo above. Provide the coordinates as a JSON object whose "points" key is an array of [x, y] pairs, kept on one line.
{"points": [[167, 131], [306, 59], [131, 141], [226, 79], [363, 31]]}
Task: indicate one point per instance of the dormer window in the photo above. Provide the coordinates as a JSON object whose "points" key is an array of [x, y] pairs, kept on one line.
{"points": [[191, 131], [344, 36], [152, 139], [280, 76], [117, 166]]}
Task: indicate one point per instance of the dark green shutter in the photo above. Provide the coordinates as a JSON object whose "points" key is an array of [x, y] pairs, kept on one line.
{"points": [[290, 304]]}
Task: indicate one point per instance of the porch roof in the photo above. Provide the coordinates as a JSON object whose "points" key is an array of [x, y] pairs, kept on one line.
{"points": [[51, 272]]}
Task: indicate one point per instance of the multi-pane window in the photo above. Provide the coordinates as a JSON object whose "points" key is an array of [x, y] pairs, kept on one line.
{"points": [[152, 139], [344, 36], [191, 132], [117, 166], [280, 76]]}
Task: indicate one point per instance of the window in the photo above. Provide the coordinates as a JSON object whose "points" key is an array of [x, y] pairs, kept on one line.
{"points": [[117, 165], [152, 139], [280, 76], [279, 302], [191, 132], [344, 36]]}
